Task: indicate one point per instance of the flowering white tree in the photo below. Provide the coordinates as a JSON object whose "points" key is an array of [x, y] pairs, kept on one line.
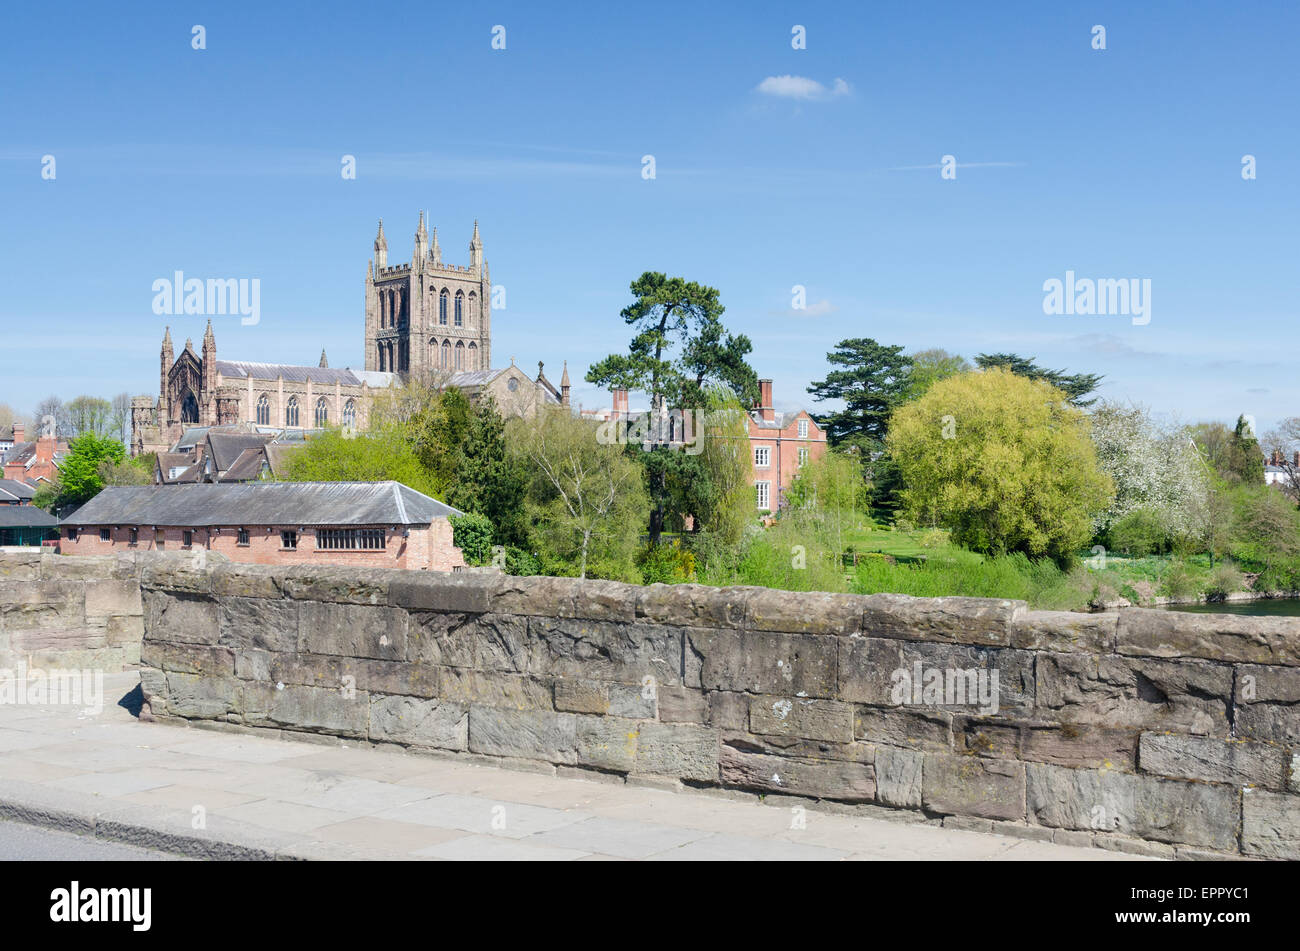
{"points": [[1154, 468]]}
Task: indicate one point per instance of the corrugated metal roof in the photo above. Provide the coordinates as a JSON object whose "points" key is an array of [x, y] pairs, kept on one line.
{"points": [[262, 503]]}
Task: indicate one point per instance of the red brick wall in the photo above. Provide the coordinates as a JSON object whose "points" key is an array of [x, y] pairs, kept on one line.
{"points": [[423, 548], [783, 445]]}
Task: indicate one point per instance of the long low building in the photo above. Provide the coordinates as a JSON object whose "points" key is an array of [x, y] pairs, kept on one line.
{"points": [[371, 524]]}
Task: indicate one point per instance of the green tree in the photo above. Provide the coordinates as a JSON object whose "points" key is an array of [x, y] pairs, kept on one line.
{"points": [[80, 476], [678, 350], [832, 487], [872, 384], [1234, 453], [378, 456], [90, 414], [586, 498], [488, 480], [472, 534], [931, 366], [725, 462], [1075, 386], [1004, 462]]}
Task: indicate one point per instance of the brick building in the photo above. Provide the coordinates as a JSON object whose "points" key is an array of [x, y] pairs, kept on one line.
{"points": [[34, 462], [780, 445], [366, 524]]}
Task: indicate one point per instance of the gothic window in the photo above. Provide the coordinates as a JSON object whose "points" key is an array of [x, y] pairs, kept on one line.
{"points": [[350, 414], [322, 413], [460, 305], [446, 355], [473, 307], [442, 308], [473, 357], [189, 409], [291, 412], [263, 410], [460, 355]]}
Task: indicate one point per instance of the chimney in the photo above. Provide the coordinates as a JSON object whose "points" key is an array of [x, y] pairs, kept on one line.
{"points": [[620, 403], [765, 410], [20, 433]]}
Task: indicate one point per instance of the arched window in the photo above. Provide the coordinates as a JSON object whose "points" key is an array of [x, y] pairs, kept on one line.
{"points": [[460, 355], [263, 410], [350, 414], [291, 412], [473, 308], [322, 413], [460, 308], [446, 355], [381, 357], [473, 357], [442, 308]]}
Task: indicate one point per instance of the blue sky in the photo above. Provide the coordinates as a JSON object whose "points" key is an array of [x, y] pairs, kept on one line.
{"points": [[225, 162]]}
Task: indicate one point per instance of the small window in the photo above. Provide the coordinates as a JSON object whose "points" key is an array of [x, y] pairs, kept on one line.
{"points": [[159, 538], [764, 494], [803, 429], [289, 541], [803, 458], [762, 456], [133, 537], [187, 539], [72, 534], [241, 538], [105, 535]]}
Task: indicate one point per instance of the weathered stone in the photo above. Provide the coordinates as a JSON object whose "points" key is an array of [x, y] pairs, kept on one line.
{"points": [[904, 727], [1268, 722], [757, 662], [880, 671], [198, 697], [844, 781], [1122, 692], [693, 605], [253, 665], [433, 723], [801, 748], [20, 566], [247, 581], [124, 630], [319, 709], [1065, 631], [181, 618], [828, 720], [176, 573], [566, 598], [682, 705], [1293, 780], [258, 623], [108, 598], [352, 630], [678, 749], [336, 583], [1259, 684], [445, 593], [1079, 744], [1270, 824], [42, 605], [1214, 760], [191, 659], [1132, 804], [813, 612], [529, 734], [601, 650], [607, 743], [636, 701], [973, 786], [40, 640], [898, 777], [954, 620], [1222, 637], [582, 696], [495, 689], [728, 711]]}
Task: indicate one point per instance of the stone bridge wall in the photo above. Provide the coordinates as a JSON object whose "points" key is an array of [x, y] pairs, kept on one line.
{"points": [[58, 612], [1141, 730]]}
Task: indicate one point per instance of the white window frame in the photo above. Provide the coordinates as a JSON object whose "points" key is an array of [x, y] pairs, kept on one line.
{"points": [[803, 429], [762, 457], [763, 495], [803, 458]]}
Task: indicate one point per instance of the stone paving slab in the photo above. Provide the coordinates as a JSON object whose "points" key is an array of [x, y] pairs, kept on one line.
{"points": [[212, 794]]}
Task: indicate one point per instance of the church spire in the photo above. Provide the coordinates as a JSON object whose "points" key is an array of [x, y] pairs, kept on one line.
{"points": [[564, 385], [381, 247], [475, 248], [209, 341], [324, 363], [437, 251], [421, 245]]}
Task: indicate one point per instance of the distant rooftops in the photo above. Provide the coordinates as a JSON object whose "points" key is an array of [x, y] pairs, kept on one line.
{"points": [[261, 503]]}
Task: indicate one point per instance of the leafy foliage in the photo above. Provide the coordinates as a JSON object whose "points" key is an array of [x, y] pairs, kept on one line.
{"points": [[472, 534], [80, 475], [1075, 386], [872, 384]]}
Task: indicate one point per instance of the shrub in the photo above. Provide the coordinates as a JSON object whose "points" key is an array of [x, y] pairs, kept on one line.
{"points": [[666, 563], [472, 534], [1223, 581], [1138, 533], [1178, 582]]}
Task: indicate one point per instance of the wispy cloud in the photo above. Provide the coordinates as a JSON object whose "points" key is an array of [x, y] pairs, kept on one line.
{"points": [[801, 87], [933, 165]]}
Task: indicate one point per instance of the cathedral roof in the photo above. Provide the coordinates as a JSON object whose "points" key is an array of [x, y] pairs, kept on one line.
{"points": [[243, 370]]}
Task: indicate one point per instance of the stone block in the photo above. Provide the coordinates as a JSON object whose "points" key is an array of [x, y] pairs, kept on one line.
{"points": [[566, 598], [898, 777], [678, 749], [575, 648], [444, 593], [973, 786], [1268, 722], [693, 605], [1215, 760], [182, 618], [108, 598], [1065, 631], [1270, 825], [904, 727], [808, 612], [953, 676], [1267, 684], [759, 662], [607, 743], [199, 659], [496, 689], [258, 623], [352, 630], [339, 584], [415, 722], [984, 621], [320, 709], [1231, 638], [728, 711], [582, 696], [529, 734], [828, 720], [247, 581], [1148, 807], [682, 705], [839, 780]]}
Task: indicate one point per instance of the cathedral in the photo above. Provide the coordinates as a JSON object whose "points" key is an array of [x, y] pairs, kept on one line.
{"points": [[423, 318]]}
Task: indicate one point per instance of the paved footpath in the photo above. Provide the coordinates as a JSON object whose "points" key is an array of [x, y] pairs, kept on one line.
{"points": [[150, 784]]}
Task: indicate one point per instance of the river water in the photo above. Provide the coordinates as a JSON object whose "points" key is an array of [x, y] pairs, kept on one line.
{"points": [[1269, 607]]}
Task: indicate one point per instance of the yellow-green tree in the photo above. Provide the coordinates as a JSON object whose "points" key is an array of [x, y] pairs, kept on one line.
{"points": [[1004, 462]]}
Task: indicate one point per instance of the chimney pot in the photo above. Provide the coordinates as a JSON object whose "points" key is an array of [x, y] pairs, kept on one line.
{"points": [[20, 433]]}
